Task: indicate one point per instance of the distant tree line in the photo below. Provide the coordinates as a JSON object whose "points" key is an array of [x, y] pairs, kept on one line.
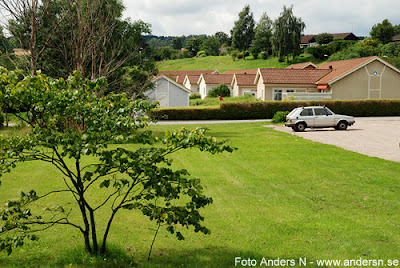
{"points": [[378, 44], [280, 38]]}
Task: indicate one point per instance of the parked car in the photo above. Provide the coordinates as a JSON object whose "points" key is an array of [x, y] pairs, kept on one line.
{"points": [[317, 117]]}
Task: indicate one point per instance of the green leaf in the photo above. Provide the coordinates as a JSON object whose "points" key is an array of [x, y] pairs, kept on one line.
{"points": [[105, 183]]}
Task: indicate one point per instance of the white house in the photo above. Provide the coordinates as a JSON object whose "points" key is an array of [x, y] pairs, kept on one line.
{"points": [[209, 81], [168, 92], [190, 83], [244, 84]]}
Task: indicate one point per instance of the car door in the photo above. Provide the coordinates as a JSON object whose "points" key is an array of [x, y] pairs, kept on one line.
{"points": [[307, 116], [323, 117]]}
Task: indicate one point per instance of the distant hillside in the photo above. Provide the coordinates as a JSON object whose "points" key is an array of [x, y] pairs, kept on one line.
{"points": [[225, 63]]}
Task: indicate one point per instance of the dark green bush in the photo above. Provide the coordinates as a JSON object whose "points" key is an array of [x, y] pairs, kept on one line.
{"points": [[221, 90], [280, 117], [195, 96], [1, 118], [267, 110]]}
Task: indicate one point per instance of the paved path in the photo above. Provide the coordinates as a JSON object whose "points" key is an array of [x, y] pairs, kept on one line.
{"points": [[373, 136], [201, 122]]}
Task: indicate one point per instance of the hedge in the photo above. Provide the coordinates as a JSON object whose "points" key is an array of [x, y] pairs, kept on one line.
{"points": [[266, 110]]}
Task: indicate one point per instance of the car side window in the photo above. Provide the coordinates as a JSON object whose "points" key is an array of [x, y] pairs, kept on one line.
{"points": [[320, 111], [306, 112]]}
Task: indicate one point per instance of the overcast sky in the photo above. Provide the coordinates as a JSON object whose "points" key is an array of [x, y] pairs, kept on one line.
{"points": [[185, 17]]}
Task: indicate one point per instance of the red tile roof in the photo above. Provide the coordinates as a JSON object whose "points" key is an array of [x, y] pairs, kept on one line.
{"points": [[396, 38], [308, 38], [303, 65], [218, 79], [340, 68], [193, 79], [246, 71], [179, 75], [245, 79], [292, 76]]}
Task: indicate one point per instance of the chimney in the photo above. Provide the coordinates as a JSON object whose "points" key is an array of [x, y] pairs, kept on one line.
{"points": [[330, 67]]}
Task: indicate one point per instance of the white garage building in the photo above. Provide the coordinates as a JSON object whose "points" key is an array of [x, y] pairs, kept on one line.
{"points": [[168, 92]]}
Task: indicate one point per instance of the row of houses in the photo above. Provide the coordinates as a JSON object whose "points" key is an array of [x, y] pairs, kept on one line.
{"points": [[362, 78]]}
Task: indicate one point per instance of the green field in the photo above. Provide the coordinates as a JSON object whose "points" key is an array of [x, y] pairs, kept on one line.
{"points": [[216, 101], [225, 63], [277, 196]]}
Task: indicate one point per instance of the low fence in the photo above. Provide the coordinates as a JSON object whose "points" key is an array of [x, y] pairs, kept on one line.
{"points": [[305, 96]]}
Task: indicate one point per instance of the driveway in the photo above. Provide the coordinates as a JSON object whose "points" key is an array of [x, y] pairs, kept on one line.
{"points": [[373, 136]]}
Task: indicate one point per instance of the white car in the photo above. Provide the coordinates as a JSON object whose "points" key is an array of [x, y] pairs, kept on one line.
{"points": [[317, 117]]}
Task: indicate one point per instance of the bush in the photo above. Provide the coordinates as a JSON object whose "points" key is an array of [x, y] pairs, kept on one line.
{"points": [[240, 55], [234, 54], [280, 117], [267, 110], [201, 54], [195, 96], [255, 51], [221, 90], [264, 55], [223, 53]]}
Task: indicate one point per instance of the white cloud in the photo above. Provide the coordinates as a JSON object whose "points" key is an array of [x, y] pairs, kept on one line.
{"points": [[185, 17]]}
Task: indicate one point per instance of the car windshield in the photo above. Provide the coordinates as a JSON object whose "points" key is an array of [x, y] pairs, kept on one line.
{"points": [[293, 111]]}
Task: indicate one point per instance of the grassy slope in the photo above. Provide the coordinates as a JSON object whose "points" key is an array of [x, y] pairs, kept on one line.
{"points": [[278, 196], [225, 63]]}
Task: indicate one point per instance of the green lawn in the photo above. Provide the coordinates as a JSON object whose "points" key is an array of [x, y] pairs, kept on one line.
{"points": [[216, 101], [278, 196], [225, 63]]}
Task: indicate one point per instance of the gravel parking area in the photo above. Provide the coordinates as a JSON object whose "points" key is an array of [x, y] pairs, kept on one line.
{"points": [[373, 136]]}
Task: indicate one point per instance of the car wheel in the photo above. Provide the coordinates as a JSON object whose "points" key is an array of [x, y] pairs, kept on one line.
{"points": [[342, 125], [300, 127]]}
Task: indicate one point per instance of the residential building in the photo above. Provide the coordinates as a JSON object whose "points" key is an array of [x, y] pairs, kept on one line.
{"points": [[243, 84], [168, 92], [309, 40], [209, 81]]}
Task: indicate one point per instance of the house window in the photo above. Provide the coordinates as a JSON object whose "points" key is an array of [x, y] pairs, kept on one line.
{"points": [[277, 94], [249, 93]]}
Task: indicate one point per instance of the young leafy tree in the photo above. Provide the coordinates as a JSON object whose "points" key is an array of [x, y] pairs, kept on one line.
{"points": [[324, 38], [263, 34], [178, 42], [223, 38], [287, 34], [194, 45], [211, 46], [71, 129], [383, 31], [243, 30]]}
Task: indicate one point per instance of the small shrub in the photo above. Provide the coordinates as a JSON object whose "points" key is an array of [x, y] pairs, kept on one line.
{"points": [[221, 90], [280, 117], [264, 55], [234, 54], [223, 53], [240, 55], [201, 54], [195, 96]]}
